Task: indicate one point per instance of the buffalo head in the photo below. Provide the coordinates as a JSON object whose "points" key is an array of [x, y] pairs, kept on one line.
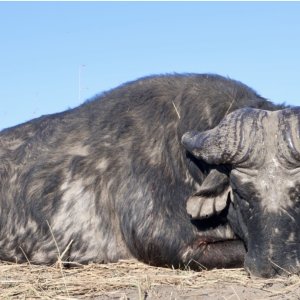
{"points": [[259, 152]]}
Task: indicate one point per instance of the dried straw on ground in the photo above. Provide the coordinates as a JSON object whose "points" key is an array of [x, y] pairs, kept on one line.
{"points": [[135, 280]]}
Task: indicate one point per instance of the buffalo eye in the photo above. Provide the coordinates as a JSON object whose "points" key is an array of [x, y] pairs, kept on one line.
{"points": [[242, 204]]}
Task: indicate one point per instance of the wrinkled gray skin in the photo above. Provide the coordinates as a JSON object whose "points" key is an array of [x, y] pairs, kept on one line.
{"points": [[261, 152]]}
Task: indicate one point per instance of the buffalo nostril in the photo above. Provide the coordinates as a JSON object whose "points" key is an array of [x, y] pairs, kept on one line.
{"points": [[263, 272], [259, 268]]}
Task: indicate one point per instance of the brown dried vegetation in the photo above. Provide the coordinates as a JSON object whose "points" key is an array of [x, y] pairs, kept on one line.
{"points": [[135, 280]]}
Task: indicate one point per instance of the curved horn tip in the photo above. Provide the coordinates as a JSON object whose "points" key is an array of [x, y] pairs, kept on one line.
{"points": [[188, 139]]}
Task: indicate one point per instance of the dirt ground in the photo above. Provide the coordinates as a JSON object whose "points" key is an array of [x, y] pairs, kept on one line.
{"points": [[135, 280]]}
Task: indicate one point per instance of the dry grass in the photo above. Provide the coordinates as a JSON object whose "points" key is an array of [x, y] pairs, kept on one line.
{"points": [[118, 280]]}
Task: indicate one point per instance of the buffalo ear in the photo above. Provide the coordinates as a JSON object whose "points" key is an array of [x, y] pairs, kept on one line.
{"points": [[212, 198]]}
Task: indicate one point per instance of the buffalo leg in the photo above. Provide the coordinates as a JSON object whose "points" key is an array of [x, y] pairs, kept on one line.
{"points": [[220, 254]]}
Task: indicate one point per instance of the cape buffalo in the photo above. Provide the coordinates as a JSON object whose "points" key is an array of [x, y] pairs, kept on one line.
{"points": [[158, 169]]}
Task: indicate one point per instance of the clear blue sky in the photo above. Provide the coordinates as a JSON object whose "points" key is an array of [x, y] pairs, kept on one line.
{"points": [[44, 46]]}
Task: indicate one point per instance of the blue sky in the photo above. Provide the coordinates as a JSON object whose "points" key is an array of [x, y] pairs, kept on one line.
{"points": [[55, 55]]}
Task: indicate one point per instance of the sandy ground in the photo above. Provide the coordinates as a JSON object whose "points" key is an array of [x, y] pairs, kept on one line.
{"points": [[135, 280]]}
